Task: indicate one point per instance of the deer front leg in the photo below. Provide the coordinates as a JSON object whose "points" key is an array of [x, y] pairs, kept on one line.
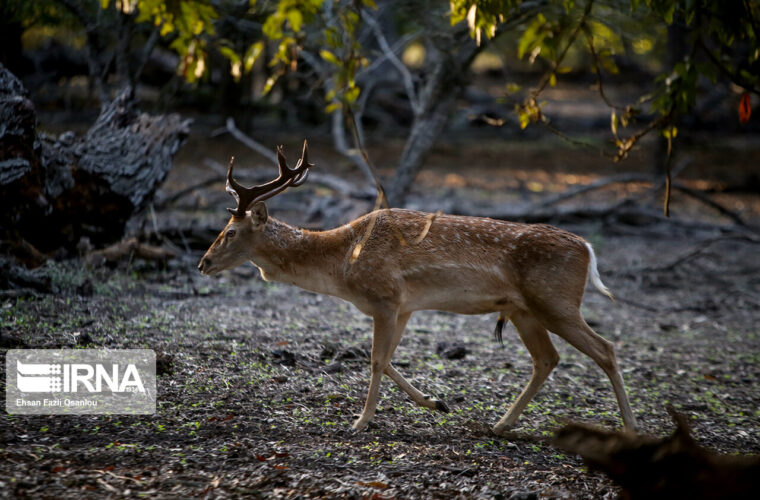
{"points": [[417, 396], [382, 351]]}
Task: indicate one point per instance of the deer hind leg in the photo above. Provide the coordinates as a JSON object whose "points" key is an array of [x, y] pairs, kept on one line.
{"points": [[545, 358], [417, 396], [382, 351], [575, 331]]}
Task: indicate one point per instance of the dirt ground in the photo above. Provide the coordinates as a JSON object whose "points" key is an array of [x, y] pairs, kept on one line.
{"points": [[260, 382]]}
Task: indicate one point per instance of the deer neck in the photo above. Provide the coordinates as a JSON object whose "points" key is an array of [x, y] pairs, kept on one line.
{"points": [[303, 258]]}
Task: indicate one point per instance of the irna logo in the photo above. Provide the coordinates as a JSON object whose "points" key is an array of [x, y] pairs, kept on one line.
{"points": [[80, 381], [77, 377]]}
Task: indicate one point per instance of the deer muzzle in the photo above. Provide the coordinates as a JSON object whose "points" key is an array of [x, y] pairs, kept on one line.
{"points": [[204, 265]]}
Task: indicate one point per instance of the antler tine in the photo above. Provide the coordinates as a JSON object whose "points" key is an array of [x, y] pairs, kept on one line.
{"points": [[282, 162], [232, 185], [303, 166], [288, 177]]}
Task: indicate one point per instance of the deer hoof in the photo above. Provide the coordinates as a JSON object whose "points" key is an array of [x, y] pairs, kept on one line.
{"points": [[359, 426], [501, 429], [441, 406], [436, 404]]}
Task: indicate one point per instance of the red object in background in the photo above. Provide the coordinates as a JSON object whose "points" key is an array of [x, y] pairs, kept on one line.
{"points": [[745, 108]]}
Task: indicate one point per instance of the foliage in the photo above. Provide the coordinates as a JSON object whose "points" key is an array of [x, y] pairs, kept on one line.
{"points": [[725, 33], [482, 17], [190, 25], [185, 21], [41, 12], [719, 41]]}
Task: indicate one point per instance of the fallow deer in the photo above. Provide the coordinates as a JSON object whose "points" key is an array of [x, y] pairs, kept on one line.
{"points": [[392, 262]]}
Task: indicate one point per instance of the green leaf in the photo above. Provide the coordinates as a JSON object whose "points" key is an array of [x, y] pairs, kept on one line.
{"points": [[670, 132], [530, 37], [295, 18], [329, 57], [253, 52], [334, 106], [270, 83], [513, 88], [352, 94], [524, 119], [230, 54]]}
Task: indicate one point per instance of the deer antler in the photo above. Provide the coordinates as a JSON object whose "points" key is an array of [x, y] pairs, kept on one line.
{"points": [[246, 197]]}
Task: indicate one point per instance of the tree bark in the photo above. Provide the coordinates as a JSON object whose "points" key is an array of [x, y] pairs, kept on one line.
{"points": [[54, 191], [453, 54]]}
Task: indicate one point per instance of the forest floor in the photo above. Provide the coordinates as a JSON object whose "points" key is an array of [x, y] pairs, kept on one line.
{"points": [[259, 382]]}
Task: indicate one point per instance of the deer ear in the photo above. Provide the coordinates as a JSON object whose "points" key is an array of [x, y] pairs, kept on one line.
{"points": [[259, 214]]}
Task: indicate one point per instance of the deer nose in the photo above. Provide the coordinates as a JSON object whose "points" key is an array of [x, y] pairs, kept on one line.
{"points": [[203, 264]]}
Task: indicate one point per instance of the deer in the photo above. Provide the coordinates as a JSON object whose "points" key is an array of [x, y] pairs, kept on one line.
{"points": [[392, 262]]}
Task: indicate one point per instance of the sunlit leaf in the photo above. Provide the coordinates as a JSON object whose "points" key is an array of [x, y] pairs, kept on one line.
{"points": [[334, 106], [670, 132], [230, 54], [269, 84], [329, 57], [251, 55]]}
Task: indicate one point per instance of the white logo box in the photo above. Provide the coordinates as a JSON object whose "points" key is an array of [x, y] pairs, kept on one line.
{"points": [[80, 381]]}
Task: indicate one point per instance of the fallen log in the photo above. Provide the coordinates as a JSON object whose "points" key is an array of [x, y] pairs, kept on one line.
{"points": [[56, 190], [662, 468]]}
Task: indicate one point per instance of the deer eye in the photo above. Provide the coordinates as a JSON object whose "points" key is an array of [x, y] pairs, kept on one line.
{"points": [[231, 233]]}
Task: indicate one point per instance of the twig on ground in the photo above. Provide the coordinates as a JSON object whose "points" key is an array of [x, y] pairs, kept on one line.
{"points": [[130, 247], [699, 196], [701, 247], [598, 184]]}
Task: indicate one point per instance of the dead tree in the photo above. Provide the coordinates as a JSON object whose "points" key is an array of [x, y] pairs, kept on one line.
{"points": [[53, 191]]}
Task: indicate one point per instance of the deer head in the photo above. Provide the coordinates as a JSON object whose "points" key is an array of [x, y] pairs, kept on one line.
{"points": [[234, 244]]}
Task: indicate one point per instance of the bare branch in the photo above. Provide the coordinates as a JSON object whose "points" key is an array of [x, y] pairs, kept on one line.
{"points": [[406, 76], [697, 195], [256, 146], [330, 181], [555, 64], [400, 43], [341, 145], [145, 53], [598, 184], [704, 245]]}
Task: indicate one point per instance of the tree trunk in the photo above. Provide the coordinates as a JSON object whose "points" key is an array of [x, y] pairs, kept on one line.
{"points": [[452, 56], [425, 131], [54, 191]]}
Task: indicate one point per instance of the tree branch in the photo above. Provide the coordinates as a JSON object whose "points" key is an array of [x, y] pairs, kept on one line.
{"points": [[406, 76], [256, 146], [737, 79]]}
